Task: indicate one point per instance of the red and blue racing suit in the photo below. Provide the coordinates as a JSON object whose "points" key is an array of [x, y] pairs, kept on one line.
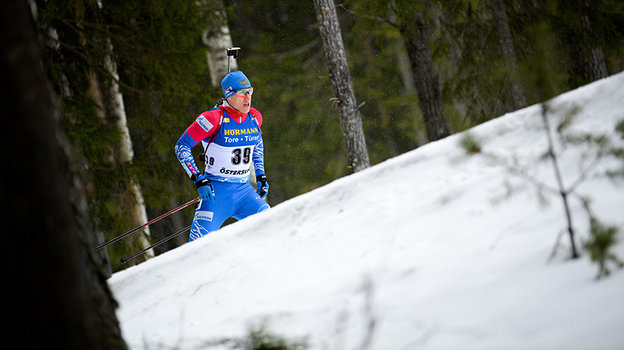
{"points": [[232, 141]]}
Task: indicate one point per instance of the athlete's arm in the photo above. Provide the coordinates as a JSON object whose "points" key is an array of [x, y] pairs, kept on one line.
{"points": [[258, 155], [204, 126]]}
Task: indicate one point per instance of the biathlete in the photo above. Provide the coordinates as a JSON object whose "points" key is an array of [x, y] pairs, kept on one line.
{"points": [[230, 134]]}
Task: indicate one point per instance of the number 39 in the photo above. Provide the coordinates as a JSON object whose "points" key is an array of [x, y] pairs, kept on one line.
{"points": [[241, 154]]}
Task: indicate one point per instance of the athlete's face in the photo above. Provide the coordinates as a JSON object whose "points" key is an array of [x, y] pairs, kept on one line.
{"points": [[241, 100]]}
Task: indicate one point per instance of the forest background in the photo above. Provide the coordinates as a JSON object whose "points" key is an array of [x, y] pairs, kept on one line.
{"points": [[484, 63]]}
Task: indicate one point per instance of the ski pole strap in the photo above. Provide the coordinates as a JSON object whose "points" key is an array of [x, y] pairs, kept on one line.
{"points": [[124, 260]]}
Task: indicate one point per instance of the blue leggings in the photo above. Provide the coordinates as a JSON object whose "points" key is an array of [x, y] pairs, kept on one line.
{"points": [[237, 200]]}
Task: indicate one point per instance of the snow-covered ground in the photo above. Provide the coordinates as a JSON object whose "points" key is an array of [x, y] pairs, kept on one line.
{"points": [[433, 249]]}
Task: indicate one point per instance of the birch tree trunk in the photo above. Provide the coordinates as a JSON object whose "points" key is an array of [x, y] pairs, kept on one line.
{"points": [[508, 51], [106, 93], [115, 110], [352, 130], [59, 299], [217, 39], [416, 36]]}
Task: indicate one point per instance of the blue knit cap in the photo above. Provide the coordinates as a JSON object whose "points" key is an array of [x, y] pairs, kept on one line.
{"points": [[233, 82]]}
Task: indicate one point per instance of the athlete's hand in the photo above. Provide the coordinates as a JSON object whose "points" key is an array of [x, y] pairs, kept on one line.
{"points": [[204, 187], [263, 185]]}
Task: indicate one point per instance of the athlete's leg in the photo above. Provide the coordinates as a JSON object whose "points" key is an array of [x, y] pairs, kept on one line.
{"points": [[248, 202], [210, 215]]}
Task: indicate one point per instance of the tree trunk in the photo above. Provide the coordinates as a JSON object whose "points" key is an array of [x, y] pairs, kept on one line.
{"points": [[581, 28], [114, 106], [404, 66], [106, 93], [587, 56], [596, 64], [508, 51], [350, 120], [416, 36], [59, 299], [217, 39]]}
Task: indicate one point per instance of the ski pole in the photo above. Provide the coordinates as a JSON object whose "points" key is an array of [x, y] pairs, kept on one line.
{"points": [[146, 224], [123, 260]]}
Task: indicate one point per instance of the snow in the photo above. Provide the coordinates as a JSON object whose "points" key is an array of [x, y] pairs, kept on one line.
{"points": [[433, 249]]}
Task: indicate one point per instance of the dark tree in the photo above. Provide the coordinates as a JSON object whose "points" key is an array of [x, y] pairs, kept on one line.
{"points": [[581, 28], [58, 298], [416, 34], [508, 50], [340, 76]]}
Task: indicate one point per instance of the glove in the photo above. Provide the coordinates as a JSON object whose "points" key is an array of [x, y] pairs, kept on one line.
{"points": [[204, 187], [262, 185]]}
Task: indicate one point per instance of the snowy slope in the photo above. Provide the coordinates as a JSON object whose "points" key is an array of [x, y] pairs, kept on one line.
{"points": [[433, 249]]}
